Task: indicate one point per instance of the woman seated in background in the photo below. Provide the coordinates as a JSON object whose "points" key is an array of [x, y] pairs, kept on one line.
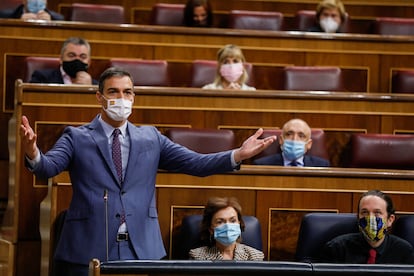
{"points": [[330, 15], [221, 229], [198, 13], [231, 73]]}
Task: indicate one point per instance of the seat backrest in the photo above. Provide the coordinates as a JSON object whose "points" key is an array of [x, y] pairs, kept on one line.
{"points": [[167, 14], [256, 20], [190, 233], [393, 26], [382, 151], [145, 72], [204, 72], [39, 63], [318, 143], [97, 13], [9, 4], [318, 228], [203, 140], [403, 227], [402, 81], [305, 19], [316, 78]]}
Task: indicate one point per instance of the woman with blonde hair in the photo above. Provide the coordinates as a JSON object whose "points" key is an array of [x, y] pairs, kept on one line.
{"points": [[330, 16], [231, 73]]}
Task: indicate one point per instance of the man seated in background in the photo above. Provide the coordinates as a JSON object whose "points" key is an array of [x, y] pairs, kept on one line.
{"points": [[33, 10], [294, 142], [75, 58], [373, 244]]}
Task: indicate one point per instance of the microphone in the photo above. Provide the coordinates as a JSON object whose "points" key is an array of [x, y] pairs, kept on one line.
{"points": [[105, 197]]}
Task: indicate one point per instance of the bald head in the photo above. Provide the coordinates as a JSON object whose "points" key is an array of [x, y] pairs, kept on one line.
{"points": [[298, 130]]}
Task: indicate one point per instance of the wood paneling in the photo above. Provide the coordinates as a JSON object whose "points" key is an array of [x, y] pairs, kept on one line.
{"points": [[356, 9], [336, 113], [278, 196], [265, 75]]}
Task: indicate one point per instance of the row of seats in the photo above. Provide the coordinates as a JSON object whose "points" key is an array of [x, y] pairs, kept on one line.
{"points": [[315, 230], [155, 73], [172, 15], [377, 151]]}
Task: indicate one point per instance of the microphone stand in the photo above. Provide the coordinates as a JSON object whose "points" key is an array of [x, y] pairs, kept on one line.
{"points": [[106, 222]]}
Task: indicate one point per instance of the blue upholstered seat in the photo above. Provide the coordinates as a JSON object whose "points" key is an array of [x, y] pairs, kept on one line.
{"points": [[318, 228]]}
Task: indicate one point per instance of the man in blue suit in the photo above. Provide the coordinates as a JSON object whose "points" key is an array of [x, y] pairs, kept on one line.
{"points": [[121, 197], [75, 57], [294, 142]]}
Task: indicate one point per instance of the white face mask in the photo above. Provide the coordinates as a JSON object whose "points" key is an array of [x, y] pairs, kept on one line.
{"points": [[329, 25], [118, 109]]}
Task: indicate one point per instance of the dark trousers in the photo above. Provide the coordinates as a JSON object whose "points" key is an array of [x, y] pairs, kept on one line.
{"points": [[124, 251], [62, 268]]}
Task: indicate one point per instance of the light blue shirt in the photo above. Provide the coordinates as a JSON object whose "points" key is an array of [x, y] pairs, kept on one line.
{"points": [[299, 161]]}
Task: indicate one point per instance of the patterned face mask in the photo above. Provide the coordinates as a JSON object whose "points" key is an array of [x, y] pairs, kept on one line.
{"points": [[374, 228]]}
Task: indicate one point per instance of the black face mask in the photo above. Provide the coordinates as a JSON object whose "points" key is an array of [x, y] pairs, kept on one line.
{"points": [[73, 67]]}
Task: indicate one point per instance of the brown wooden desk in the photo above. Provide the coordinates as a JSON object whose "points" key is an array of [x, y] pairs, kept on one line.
{"points": [[377, 55], [275, 195], [225, 268]]}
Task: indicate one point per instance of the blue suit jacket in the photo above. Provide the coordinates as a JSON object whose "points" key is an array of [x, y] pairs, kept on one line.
{"points": [[49, 76], [277, 159], [85, 153]]}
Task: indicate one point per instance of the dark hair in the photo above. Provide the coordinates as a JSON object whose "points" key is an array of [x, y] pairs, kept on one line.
{"points": [[215, 204], [112, 72], [378, 193], [76, 41], [189, 12]]}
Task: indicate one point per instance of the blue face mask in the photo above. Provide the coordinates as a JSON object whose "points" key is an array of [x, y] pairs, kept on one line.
{"points": [[34, 6], [227, 233], [292, 150]]}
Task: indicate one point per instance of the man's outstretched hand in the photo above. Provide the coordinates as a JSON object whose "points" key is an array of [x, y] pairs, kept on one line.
{"points": [[253, 146], [28, 138]]}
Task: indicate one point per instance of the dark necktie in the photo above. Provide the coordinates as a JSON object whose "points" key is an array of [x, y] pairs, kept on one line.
{"points": [[372, 255], [293, 163], [116, 153]]}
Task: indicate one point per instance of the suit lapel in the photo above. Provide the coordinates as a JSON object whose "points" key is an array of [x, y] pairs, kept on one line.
{"points": [[133, 150], [98, 135]]}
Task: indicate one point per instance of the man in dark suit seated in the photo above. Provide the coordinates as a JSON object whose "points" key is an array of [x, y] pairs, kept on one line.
{"points": [[373, 244], [294, 142], [32, 10], [75, 58]]}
